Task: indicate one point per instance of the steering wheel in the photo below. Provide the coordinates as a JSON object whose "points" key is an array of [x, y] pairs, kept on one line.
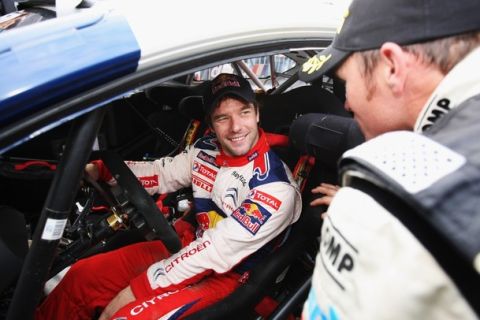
{"points": [[139, 197]]}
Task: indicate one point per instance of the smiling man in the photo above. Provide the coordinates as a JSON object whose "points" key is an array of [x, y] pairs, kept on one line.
{"points": [[401, 237], [245, 199], [234, 121]]}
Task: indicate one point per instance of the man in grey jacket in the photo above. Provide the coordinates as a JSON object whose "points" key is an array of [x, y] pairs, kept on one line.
{"points": [[401, 237]]}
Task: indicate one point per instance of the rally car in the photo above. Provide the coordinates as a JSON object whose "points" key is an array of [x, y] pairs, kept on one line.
{"points": [[122, 80]]}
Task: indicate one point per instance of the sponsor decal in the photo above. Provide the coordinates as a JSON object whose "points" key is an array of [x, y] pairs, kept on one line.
{"points": [[211, 142], [435, 112], [207, 158], [224, 81], [164, 161], [230, 200], [203, 220], [53, 229], [159, 272], [204, 170], [239, 177], [207, 220], [233, 193], [252, 156], [345, 16], [138, 309], [251, 217], [199, 182], [192, 132], [149, 182], [261, 167], [208, 143], [337, 254], [315, 63], [265, 198], [186, 254], [228, 206]]}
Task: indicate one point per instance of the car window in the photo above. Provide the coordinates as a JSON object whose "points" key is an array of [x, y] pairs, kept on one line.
{"points": [[259, 66]]}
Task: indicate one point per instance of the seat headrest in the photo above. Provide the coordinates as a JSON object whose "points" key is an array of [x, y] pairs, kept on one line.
{"points": [[192, 107], [325, 136], [278, 111]]}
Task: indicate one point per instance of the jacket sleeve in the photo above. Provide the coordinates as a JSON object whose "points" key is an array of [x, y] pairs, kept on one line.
{"points": [[164, 175], [250, 226]]}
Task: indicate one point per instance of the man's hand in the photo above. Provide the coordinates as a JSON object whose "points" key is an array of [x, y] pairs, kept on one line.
{"points": [[328, 190], [123, 298], [92, 170]]}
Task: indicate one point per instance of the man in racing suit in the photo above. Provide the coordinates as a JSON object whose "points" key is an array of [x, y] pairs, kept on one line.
{"points": [[244, 198], [408, 65]]}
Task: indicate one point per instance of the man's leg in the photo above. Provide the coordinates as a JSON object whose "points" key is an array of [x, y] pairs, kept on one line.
{"points": [[178, 304], [91, 283]]}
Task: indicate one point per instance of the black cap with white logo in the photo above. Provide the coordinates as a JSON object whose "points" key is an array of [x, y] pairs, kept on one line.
{"points": [[226, 84], [370, 23]]}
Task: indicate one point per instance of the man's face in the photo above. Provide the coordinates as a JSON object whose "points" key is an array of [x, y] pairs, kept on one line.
{"points": [[369, 98], [236, 125]]}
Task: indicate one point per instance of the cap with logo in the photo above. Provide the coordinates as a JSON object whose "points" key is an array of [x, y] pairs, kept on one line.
{"points": [[370, 23], [226, 84]]}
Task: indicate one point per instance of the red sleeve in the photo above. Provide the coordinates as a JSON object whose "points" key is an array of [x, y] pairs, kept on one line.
{"points": [[103, 172]]}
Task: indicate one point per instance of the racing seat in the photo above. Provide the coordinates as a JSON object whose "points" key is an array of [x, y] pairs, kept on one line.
{"points": [[13, 249], [278, 111], [13, 245]]}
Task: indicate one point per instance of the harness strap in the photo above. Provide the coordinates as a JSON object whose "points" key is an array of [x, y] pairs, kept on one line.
{"points": [[302, 170]]}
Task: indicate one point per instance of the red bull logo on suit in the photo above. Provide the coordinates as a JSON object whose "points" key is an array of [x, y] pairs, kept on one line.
{"points": [[251, 216]]}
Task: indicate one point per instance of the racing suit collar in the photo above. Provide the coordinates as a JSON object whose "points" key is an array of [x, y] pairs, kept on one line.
{"points": [[258, 149], [460, 84]]}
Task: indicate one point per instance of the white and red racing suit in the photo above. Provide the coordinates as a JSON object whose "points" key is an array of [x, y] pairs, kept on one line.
{"points": [[243, 207]]}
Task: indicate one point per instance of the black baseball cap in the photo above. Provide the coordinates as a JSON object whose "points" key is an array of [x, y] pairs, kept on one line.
{"points": [[226, 84], [370, 23]]}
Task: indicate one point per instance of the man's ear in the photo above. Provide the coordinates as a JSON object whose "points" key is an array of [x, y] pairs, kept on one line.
{"points": [[395, 66]]}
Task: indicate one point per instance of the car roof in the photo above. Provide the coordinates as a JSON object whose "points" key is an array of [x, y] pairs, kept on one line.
{"points": [[125, 44], [208, 25]]}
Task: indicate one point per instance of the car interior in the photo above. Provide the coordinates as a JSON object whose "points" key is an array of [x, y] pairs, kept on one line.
{"points": [[307, 126]]}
